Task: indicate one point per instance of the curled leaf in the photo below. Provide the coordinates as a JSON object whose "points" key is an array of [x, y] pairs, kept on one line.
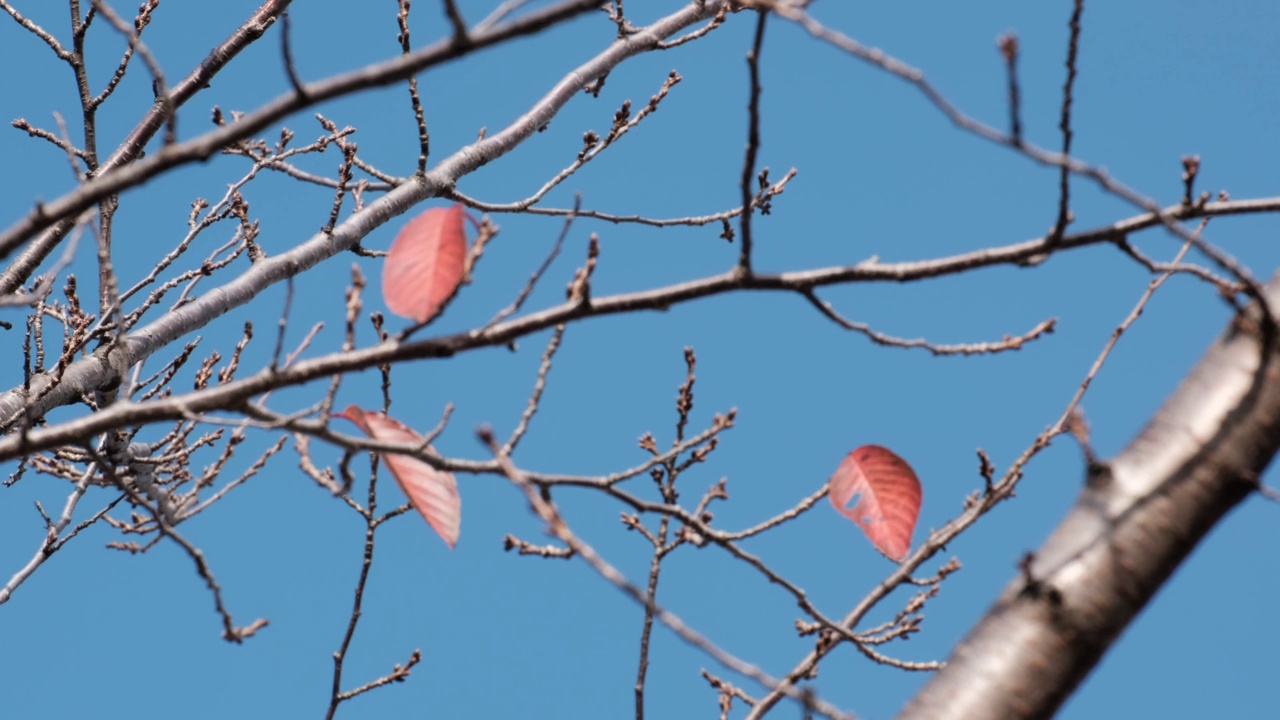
{"points": [[889, 497], [426, 263], [432, 492]]}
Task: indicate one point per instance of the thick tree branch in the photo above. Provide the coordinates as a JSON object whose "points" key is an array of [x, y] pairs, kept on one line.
{"points": [[1136, 520]]}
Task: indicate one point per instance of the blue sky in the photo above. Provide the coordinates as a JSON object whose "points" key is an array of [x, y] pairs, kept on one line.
{"points": [[102, 633]]}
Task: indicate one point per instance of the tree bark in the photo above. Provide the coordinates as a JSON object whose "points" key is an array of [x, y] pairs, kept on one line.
{"points": [[1138, 517]]}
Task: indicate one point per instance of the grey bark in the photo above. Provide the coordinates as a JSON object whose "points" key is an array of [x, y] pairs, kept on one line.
{"points": [[1138, 517]]}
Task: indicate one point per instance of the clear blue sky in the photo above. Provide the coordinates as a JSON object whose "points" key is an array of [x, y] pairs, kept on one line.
{"points": [[104, 634]]}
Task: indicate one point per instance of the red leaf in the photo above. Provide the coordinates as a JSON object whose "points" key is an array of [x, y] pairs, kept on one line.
{"points": [[425, 264], [434, 493], [888, 497]]}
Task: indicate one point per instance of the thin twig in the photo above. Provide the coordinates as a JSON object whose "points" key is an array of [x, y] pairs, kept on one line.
{"points": [[406, 47], [1008, 343], [592, 146], [157, 75], [527, 290], [62, 53], [1008, 44], [559, 529], [54, 539], [1064, 122], [753, 144], [535, 398], [286, 51], [523, 207], [399, 672], [455, 19]]}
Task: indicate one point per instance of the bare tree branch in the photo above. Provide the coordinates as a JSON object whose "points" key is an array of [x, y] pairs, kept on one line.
{"points": [[131, 148], [1139, 515], [84, 375]]}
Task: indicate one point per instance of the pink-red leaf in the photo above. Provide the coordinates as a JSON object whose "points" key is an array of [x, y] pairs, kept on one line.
{"points": [[426, 263], [434, 493], [888, 493]]}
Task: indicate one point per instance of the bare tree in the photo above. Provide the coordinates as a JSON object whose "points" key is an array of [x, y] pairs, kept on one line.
{"points": [[98, 407]]}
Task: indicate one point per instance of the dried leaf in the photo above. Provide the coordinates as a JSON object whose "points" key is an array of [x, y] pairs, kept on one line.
{"points": [[889, 497], [426, 263], [432, 492]]}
